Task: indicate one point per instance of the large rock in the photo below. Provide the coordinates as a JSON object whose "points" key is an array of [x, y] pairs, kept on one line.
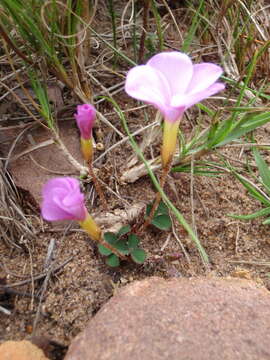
{"points": [[180, 319], [20, 350]]}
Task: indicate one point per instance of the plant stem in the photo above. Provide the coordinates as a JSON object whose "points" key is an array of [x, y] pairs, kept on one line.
{"points": [[165, 172], [97, 185], [170, 132], [112, 249]]}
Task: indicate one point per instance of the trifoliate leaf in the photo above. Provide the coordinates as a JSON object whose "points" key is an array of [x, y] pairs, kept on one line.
{"points": [[103, 250], [121, 245], [133, 241], [123, 231], [112, 260], [110, 237], [162, 222], [161, 209], [138, 255]]}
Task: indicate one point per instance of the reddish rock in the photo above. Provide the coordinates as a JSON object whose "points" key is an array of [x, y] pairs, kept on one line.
{"points": [[20, 350], [180, 319], [32, 170]]}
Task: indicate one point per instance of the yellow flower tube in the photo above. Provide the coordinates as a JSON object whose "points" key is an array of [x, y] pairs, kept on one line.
{"points": [[87, 149], [170, 132], [92, 229]]}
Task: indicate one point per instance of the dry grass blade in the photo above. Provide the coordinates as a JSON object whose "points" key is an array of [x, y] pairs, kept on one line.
{"points": [[13, 223]]}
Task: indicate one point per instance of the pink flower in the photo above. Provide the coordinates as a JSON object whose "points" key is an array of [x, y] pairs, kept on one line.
{"points": [[171, 83], [85, 118], [63, 200]]}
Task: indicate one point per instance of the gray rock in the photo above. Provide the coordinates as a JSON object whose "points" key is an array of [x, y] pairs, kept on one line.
{"points": [[180, 319]]}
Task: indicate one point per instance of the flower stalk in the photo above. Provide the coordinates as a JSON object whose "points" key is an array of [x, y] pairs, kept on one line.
{"points": [[170, 132]]}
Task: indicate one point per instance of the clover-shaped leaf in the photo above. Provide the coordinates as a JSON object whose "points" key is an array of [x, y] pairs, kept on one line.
{"points": [[138, 255], [123, 231], [103, 250], [161, 218], [121, 245], [112, 260], [110, 237], [162, 222], [133, 241]]}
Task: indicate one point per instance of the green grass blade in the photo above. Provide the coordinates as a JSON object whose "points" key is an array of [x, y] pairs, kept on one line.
{"points": [[262, 212], [252, 190], [158, 24], [42, 96], [196, 19], [263, 169], [248, 123]]}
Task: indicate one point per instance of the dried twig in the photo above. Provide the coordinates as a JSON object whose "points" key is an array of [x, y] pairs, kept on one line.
{"points": [[37, 277], [5, 311]]}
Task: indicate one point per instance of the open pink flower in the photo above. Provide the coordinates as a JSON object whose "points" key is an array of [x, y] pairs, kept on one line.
{"points": [[171, 83], [85, 118], [63, 200]]}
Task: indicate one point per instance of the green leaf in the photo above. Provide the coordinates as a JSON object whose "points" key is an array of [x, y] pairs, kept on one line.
{"points": [[248, 123], [138, 256], [148, 209], [263, 169], [103, 250], [262, 212], [205, 170], [122, 246], [252, 190], [162, 222], [124, 230], [161, 209], [133, 241], [112, 260], [110, 238]]}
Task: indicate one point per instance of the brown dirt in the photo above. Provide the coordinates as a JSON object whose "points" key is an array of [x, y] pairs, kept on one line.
{"points": [[77, 291], [83, 285]]}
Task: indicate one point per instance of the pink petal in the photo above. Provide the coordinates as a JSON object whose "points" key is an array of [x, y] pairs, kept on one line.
{"points": [[176, 67], [62, 200], [192, 99], [204, 75], [172, 114], [73, 203], [52, 184], [146, 84], [85, 118], [52, 212]]}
